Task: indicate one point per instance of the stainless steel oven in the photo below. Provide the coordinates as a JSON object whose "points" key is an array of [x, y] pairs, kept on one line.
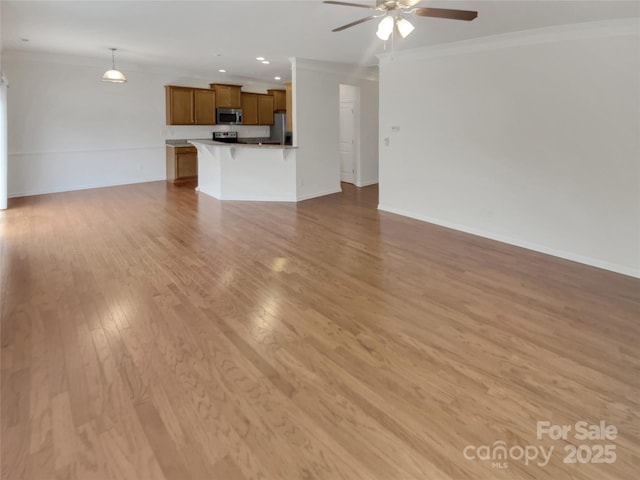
{"points": [[226, 137]]}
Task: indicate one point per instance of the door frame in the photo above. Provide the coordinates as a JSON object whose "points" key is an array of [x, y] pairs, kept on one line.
{"points": [[351, 94]]}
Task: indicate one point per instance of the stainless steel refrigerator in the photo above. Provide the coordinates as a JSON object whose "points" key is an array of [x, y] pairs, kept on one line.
{"points": [[278, 131]]}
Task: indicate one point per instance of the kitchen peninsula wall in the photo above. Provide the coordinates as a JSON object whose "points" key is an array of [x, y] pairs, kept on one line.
{"points": [[176, 132]]}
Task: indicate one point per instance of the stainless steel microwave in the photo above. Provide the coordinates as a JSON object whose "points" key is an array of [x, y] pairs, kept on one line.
{"points": [[229, 116]]}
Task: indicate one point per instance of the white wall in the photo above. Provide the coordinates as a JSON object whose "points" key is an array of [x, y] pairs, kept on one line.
{"points": [[69, 130], [316, 103], [368, 171], [529, 138]]}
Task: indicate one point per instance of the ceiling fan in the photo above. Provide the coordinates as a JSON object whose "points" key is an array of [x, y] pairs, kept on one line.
{"points": [[392, 13]]}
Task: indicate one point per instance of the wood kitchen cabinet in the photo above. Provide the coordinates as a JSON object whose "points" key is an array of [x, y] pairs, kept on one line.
{"points": [[227, 96], [265, 109], [179, 105], [289, 100], [249, 103], [190, 106], [257, 108], [204, 105], [279, 99], [182, 163]]}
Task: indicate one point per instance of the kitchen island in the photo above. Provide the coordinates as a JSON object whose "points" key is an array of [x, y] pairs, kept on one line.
{"points": [[236, 171]]}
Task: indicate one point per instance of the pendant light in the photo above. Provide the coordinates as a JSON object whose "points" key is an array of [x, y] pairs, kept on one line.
{"points": [[114, 75]]}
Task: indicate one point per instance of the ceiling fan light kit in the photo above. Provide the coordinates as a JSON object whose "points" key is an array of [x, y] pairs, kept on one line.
{"points": [[114, 75], [393, 12]]}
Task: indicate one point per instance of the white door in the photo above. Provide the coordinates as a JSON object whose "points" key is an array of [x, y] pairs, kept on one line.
{"points": [[3, 142], [347, 144]]}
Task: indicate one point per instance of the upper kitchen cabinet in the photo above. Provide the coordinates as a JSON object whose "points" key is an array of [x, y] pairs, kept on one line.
{"points": [[190, 106], [179, 105], [265, 109], [249, 102], [279, 99], [257, 108], [204, 103], [227, 96], [289, 94]]}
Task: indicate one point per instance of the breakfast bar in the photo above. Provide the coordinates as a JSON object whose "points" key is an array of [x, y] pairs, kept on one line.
{"points": [[235, 171]]}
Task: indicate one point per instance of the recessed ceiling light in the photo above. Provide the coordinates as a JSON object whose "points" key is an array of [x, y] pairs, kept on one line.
{"points": [[277, 78], [266, 62], [260, 59], [222, 70]]}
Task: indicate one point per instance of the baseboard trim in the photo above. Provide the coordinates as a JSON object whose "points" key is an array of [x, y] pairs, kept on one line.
{"points": [[318, 194], [593, 262], [368, 183], [32, 193]]}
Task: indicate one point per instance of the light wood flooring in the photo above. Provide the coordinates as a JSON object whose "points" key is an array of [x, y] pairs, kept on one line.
{"points": [[152, 333]]}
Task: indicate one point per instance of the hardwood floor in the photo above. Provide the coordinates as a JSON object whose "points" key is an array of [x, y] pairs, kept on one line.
{"points": [[152, 333]]}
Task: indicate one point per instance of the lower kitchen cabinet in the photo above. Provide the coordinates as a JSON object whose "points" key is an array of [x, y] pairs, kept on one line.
{"points": [[182, 163]]}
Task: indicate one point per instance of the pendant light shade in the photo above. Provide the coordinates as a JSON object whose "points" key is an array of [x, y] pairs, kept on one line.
{"points": [[385, 27], [404, 27], [114, 75]]}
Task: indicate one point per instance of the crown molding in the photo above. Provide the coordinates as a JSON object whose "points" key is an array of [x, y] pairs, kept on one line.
{"points": [[361, 72], [577, 31], [183, 76]]}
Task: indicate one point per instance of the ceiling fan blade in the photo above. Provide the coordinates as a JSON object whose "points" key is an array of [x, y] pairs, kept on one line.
{"points": [[347, 4], [467, 15], [353, 24]]}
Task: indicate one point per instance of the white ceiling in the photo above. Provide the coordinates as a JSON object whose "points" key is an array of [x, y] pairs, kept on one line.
{"points": [[204, 36]]}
